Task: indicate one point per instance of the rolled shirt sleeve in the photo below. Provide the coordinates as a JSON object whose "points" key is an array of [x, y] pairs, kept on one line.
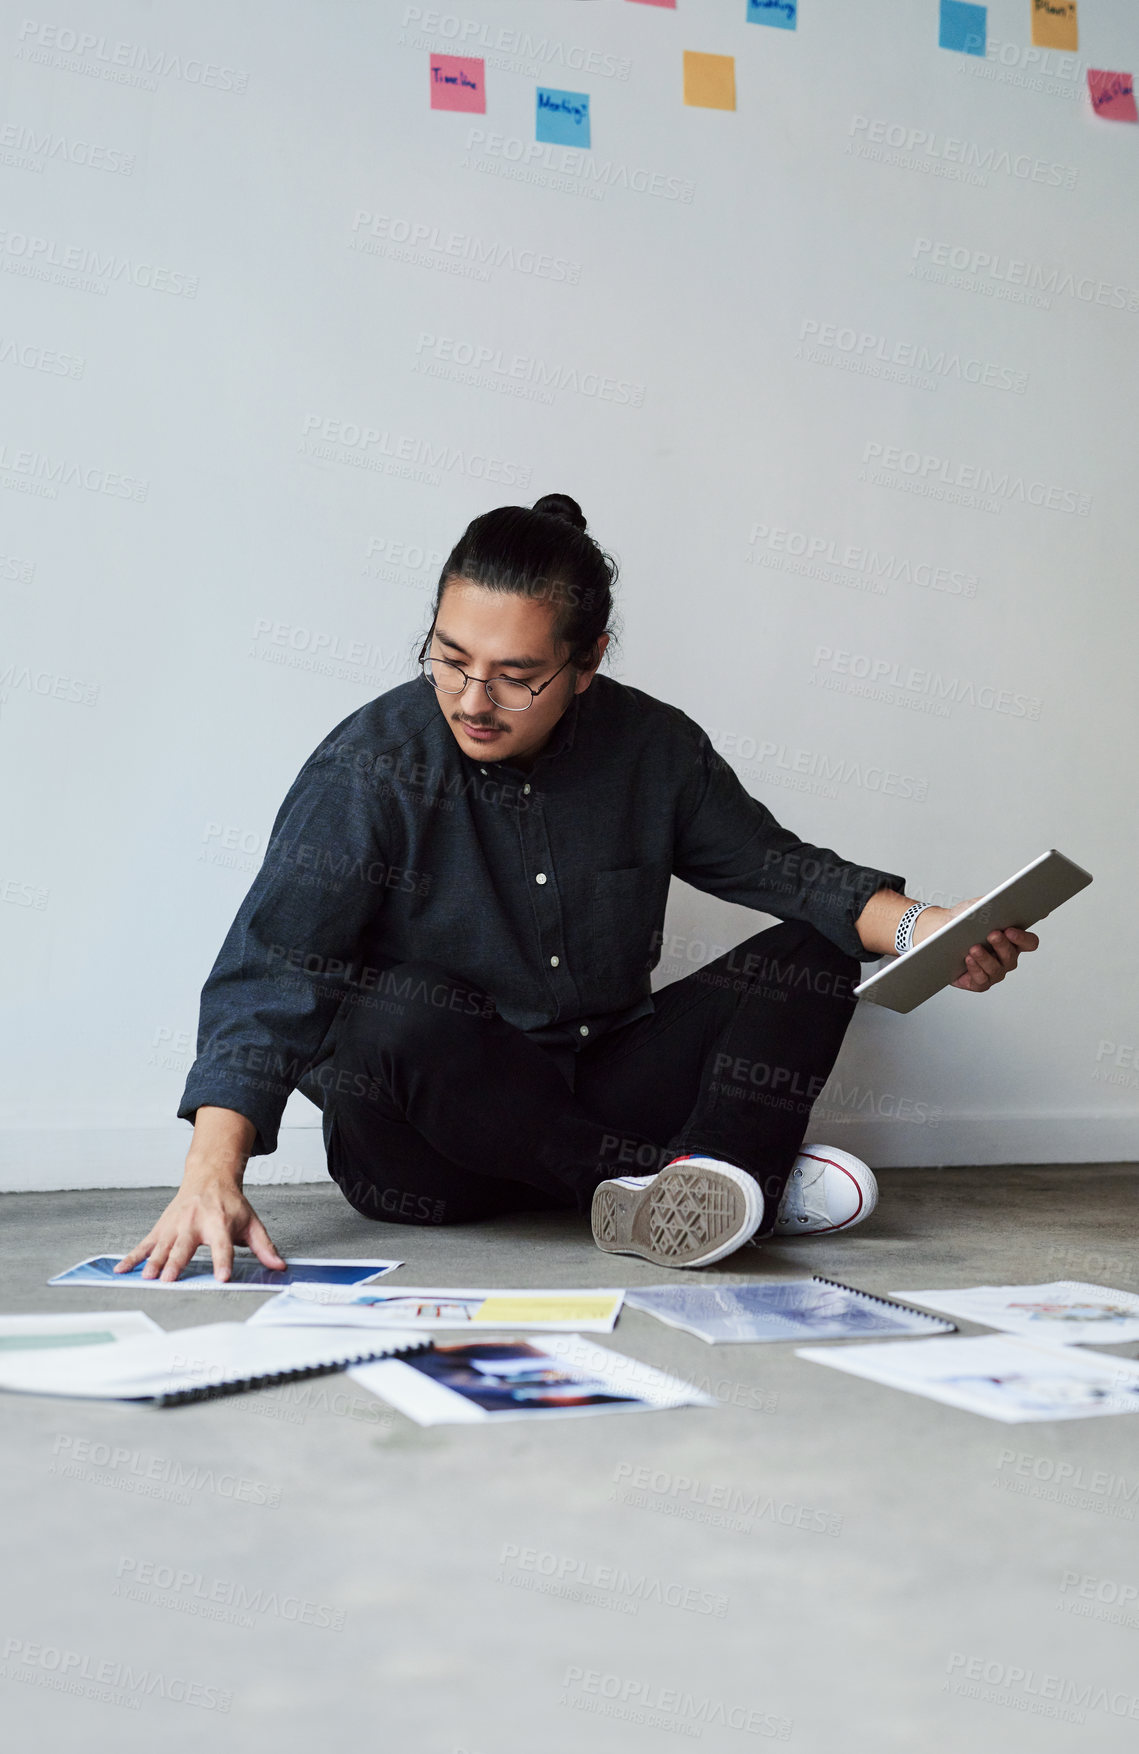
{"points": [[279, 977], [730, 845]]}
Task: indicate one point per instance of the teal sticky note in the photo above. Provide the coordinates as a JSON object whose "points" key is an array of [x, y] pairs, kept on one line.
{"points": [[783, 14], [563, 117], [963, 27]]}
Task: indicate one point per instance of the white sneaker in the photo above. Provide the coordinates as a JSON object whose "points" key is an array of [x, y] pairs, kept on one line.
{"points": [[694, 1211], [828, 1189]]}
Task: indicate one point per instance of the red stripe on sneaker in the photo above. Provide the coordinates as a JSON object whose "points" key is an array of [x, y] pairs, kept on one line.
{"points": [[813, 1157]]}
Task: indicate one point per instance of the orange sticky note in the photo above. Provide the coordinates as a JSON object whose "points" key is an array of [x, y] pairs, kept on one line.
{"points": [[1054, 24], [709, 80]]}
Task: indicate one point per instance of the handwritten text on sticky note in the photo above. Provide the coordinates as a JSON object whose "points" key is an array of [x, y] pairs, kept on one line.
{"points": [[1112, 95], [1054, 24], [709, 80], [458, 82], [563, 117], [781, 13]]}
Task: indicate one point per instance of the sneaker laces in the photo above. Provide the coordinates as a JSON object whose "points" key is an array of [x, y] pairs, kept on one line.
{"points": [[805, 1196]]}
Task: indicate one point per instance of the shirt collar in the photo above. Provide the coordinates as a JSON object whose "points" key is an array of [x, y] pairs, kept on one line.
{"points": [[565, 730]]}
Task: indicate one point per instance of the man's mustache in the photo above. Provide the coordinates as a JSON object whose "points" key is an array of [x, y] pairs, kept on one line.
{"points": [[482, 724]]}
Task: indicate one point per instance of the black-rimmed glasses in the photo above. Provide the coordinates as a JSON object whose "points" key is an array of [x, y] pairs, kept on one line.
{"points": [[501, 691]]}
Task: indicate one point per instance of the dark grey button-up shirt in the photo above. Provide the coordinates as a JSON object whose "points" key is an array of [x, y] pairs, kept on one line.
{"points": [[546, 889]]}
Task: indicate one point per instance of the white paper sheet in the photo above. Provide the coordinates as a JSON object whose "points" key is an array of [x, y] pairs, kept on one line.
{"points": [[1001, 1376], [591, 1311], [477, 1380], [1065, 1312], [21, 1334]]}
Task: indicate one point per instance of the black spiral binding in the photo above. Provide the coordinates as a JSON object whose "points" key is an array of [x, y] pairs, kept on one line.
{"points": [[271, 1379], [944, 1326]]}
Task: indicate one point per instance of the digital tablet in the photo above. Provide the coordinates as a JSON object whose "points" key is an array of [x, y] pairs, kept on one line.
{"points": [[907, 981]]}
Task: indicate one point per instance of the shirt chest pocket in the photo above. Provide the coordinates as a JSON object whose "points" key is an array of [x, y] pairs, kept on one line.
{"points": [[627, 909]]}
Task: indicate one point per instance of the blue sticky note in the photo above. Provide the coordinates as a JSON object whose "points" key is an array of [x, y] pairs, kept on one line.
{"points": [[963, 27], [563, 117], [781, 13]]}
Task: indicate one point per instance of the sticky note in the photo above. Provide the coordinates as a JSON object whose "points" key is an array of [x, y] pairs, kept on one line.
{"points": [[963, 27], [545, 1309], [670, 3], [563, 117], [458, 82], [1054, 24], [1113, 95], [781, 13], [709, 80]]}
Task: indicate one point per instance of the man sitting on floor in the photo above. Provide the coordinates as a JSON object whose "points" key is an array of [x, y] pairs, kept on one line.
{"points": [[449, 944]]}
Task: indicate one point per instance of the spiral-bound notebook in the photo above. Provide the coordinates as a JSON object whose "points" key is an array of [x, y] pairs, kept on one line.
{"points": [[781, 1309], [190, 1364]]}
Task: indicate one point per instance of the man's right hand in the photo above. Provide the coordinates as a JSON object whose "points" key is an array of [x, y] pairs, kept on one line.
{"points": [[209, 1207]]}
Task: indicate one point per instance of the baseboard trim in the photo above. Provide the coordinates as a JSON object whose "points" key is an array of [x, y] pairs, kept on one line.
{"points": [[49, 1159], [961, 1140]]}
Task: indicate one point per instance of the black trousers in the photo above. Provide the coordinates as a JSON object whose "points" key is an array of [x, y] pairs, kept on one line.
{"points": [[436, 1110]]}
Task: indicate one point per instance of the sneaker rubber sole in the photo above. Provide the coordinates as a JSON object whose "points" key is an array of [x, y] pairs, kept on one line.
{"points": [[693, 1212]]}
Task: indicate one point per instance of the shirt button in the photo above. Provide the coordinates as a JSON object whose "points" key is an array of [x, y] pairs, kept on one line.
{"points": [[554, 960], [583, 1029], [482, 769], [525, 788], [541, 877]]}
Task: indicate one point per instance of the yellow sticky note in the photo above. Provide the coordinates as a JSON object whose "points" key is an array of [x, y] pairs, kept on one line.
{"points": [[710, 80], [545, 1309], [1054, 24]]}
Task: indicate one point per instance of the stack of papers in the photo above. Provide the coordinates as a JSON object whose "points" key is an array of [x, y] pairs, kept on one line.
{"points": [[411, 1306], [784, 1309], [190, 1362], [1065, 1312]]}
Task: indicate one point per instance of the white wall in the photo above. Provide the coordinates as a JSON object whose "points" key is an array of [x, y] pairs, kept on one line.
{"points": [[149, 724]]}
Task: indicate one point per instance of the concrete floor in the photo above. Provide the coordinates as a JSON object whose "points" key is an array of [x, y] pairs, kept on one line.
{"points": [[400, 1577]]}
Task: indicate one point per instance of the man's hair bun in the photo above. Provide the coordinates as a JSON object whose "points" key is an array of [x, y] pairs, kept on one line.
{"points": [[560, 505], [546, 553]]}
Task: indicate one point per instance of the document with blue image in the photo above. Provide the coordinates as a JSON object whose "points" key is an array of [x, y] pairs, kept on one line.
{"points": [[247, 1274]]}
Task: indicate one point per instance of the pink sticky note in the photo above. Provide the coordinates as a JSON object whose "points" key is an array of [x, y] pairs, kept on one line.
{"points": [[458, 82], [671, 3], [1113, 95]]}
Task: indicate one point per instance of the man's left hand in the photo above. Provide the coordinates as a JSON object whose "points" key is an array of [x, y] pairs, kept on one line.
{"points": [[985, 963]]}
